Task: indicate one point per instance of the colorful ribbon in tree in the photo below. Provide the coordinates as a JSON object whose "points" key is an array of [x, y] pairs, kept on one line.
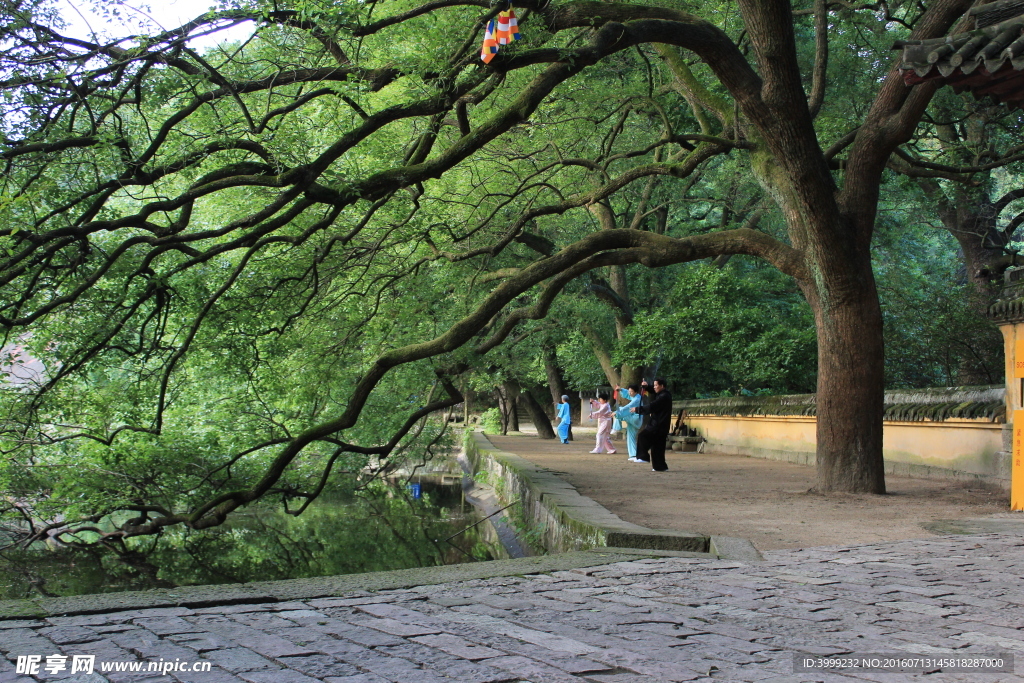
{"points": [[501, 30]]}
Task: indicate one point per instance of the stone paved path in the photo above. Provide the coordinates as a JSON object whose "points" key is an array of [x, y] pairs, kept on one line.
{"points": [[648, 620], [764, 501]]}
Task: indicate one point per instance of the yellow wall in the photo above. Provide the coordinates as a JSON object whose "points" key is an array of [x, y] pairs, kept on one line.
{"points": [[775, 438], [1013, 344], [948, 448]]}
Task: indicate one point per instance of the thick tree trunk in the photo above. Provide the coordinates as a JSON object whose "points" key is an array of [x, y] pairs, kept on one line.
{"points": [[984, 262], [601, 352], [981, 244], [630, 375], [972, 217], [509, 393], [512, 400], [540, 419], [555, 383], [851, 385], [505, 409], [623, 318]]}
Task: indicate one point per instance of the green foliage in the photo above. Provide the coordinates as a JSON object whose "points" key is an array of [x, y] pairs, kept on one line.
{"points": [[528, 532], [936, 332], [490, 420], [374, 528], [727, 330]]}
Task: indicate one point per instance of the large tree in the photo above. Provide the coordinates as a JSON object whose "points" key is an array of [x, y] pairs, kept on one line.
{"points": [[236, 263]]}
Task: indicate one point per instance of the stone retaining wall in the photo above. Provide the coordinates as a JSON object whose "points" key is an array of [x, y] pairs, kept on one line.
{"points": [[562, 520]]}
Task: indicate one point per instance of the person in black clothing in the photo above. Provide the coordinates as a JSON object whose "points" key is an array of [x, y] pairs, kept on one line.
{"points": [[652, 438]]}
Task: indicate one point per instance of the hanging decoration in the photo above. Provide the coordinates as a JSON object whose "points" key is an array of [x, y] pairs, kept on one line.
{"points": [[501, 30]]}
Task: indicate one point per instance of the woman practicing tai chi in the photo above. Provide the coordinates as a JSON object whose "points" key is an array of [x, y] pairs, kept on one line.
{"points": [[633, 421], [651, 440], [565, 416], [602, 412]]}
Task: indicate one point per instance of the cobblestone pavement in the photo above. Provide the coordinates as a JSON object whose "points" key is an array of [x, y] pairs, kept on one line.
{"points": [[662, 619]]}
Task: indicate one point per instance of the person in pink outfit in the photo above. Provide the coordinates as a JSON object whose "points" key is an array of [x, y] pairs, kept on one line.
{"points": [[602, 412]]}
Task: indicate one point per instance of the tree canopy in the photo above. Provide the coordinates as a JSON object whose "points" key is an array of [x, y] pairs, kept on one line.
{"points": [[250, 268]]}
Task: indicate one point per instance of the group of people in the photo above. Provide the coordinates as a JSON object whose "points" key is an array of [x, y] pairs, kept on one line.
{"points": [[644, 442]]}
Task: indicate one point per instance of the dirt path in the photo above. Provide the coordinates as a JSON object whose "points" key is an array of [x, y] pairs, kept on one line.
{"points": [[763, 501]]}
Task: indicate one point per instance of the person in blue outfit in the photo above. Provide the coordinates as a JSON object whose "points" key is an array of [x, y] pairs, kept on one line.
{"points": [[633, 421], [565, 417]]}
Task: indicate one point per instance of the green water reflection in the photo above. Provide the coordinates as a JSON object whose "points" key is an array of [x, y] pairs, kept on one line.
{"points": [[377, 529]]}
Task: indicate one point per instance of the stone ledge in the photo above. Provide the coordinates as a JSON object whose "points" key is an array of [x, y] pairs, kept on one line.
{"points": [[631, 542], [307, 589], [584, 521], [732, 548]]}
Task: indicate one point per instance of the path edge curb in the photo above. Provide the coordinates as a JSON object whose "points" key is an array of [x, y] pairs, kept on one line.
{"points": [[288, 590], [621, 541], [570, 521]]}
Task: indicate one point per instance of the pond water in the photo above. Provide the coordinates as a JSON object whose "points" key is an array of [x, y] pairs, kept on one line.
{"points": [[381, 527]]}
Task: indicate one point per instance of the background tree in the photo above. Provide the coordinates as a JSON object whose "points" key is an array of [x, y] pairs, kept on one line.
{"points": [[738, 330], [965, 160]]}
